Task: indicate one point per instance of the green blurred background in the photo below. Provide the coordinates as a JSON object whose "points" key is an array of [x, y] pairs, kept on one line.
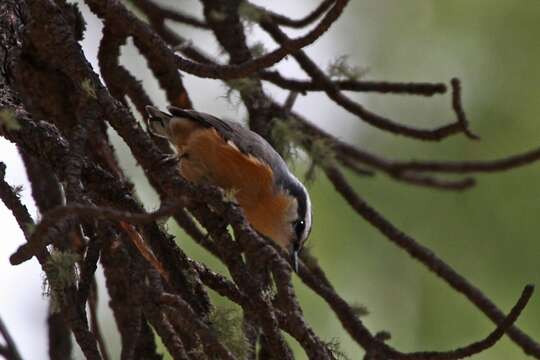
{"points": [[489, 234]]}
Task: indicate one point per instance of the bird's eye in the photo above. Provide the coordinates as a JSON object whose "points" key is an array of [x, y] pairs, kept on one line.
{"points": [[299, 227]]}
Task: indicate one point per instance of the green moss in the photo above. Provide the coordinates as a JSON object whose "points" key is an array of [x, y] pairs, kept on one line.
{"points": [[9, 119], [321, 154], [285, 135], [251, 13], [341, 69], [227, 324], [257, 49], [245, 86], [335, 348], [229, 195], [359, 309], [89, 88], [61, 273]]}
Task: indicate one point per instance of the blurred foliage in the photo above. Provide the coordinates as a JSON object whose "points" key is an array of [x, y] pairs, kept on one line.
{"points": [[489, 234]]}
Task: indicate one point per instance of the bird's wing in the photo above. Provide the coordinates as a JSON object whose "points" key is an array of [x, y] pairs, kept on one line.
{"points": [[244, 139]]}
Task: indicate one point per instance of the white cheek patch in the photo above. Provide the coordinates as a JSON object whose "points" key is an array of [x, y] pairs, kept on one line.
{"points": [[292, 211], [306, 216], [308, 220]]}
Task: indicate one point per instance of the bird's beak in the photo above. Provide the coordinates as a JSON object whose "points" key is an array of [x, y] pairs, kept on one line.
{"points": [[294, 259]]}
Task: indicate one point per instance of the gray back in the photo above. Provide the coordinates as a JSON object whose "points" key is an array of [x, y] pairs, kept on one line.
{"points": [[246, 140]]}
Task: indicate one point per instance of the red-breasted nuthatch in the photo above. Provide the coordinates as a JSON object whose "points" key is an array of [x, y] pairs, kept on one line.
{"points": [[228, 155]]}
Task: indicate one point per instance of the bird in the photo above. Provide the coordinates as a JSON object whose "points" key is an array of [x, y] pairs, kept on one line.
{"points": [[228, 155]]}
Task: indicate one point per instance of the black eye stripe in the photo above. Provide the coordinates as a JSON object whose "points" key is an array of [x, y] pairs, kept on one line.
{"points": [[299, 227]]}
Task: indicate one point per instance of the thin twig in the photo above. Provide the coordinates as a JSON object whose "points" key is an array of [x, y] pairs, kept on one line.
{"points": [[481, 345], [298, 23], [171, 14], [334, 93], [13, 202], [380, 87], [471, 166], [39, 241], [227, 72], [10, 350], [94, 321], [430, 260], [350, 156], [458, 109]]}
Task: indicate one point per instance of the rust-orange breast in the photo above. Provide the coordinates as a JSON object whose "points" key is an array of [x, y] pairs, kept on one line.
{"points": [[207, 157]]}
